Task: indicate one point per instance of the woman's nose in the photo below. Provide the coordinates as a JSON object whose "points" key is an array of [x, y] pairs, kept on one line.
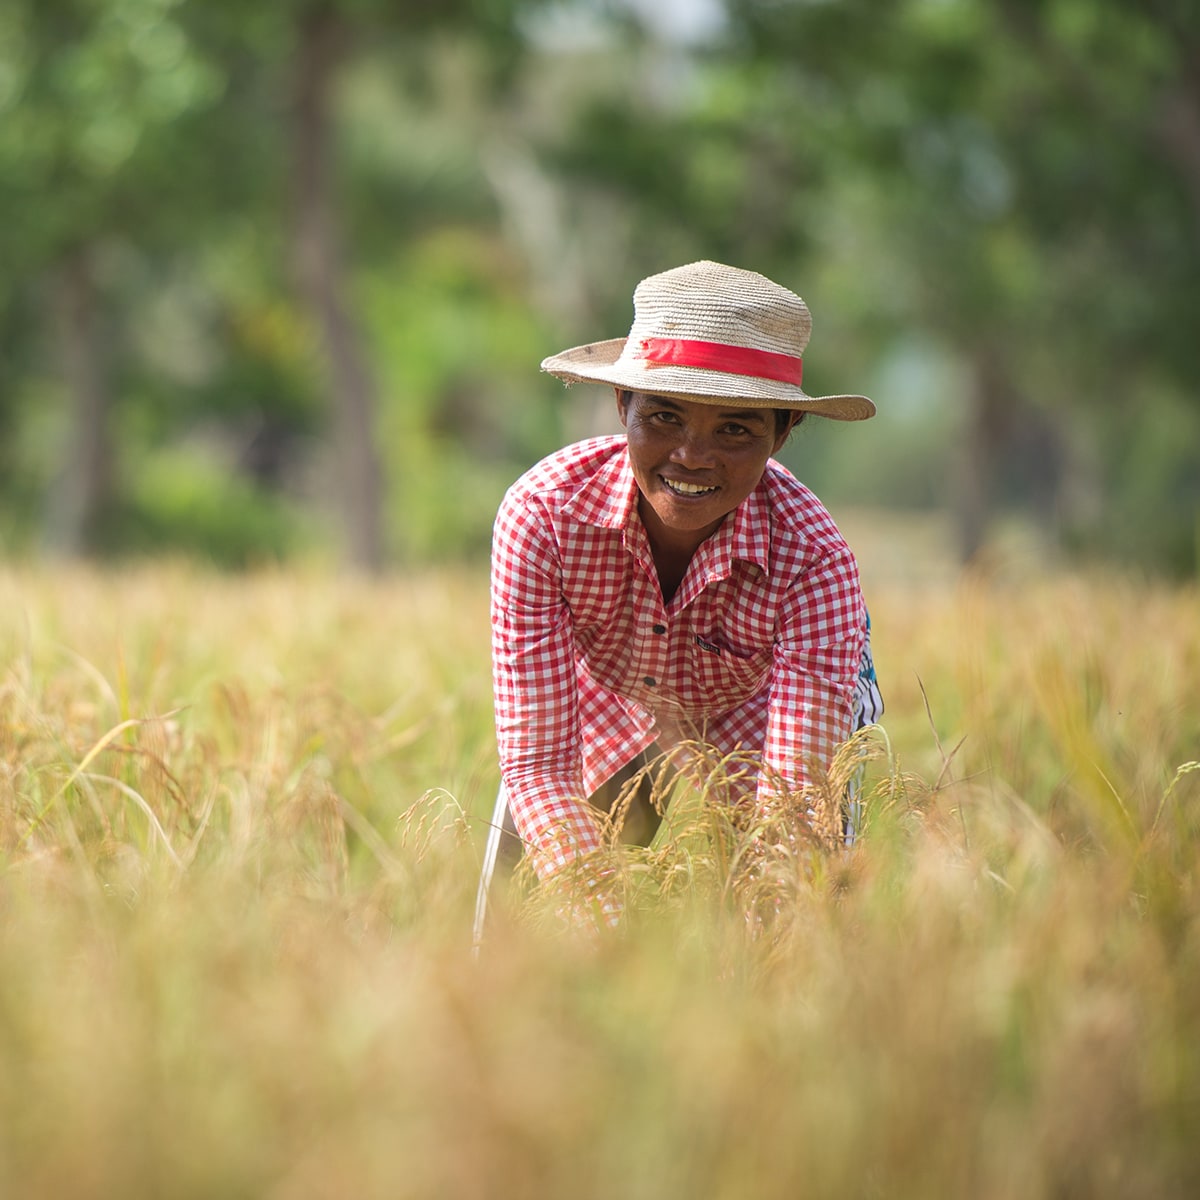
{"points": [[694, 449]]}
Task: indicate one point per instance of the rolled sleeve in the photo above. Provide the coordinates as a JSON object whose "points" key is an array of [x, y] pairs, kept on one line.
{"points": [[815, 670], [536, 698]]}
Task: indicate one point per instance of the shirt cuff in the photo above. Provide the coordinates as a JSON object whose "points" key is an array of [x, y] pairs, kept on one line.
{"points": [[558, 827]]}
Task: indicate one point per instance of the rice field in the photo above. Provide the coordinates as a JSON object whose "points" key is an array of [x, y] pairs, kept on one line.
{"points": [[240, 826]]}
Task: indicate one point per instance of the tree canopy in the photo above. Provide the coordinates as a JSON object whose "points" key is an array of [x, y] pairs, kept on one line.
{"points": [[280, 276]]}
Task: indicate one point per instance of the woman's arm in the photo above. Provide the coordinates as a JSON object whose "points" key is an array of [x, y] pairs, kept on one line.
{"points": [[536, 700], [817, 657]]}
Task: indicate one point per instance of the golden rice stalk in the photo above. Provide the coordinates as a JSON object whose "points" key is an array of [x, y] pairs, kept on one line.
{"points": [[719, 844]]}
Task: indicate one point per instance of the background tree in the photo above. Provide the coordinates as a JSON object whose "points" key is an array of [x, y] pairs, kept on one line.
{"points": [[261, 259], [96, 98], [1007, 188]]}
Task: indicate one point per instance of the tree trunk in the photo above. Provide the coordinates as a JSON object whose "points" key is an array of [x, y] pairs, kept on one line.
{"points": [[84, 490], [321, 273], [1178, 132], [992, 408]]}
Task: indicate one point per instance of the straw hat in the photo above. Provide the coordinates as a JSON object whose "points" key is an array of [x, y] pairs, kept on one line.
{"points": [[710, 333]]}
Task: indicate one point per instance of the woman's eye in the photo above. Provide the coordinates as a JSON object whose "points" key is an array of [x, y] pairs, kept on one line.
{"points": [[736, 430]]}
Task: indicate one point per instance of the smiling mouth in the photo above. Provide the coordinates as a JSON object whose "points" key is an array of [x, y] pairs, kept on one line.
{"points": [[687, 489]]}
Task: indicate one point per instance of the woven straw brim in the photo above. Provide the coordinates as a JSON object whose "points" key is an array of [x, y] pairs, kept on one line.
{"points": [[600, 362]]}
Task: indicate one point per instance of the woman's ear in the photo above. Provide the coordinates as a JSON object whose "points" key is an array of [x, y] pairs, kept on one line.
{"points": [[780, 438]]}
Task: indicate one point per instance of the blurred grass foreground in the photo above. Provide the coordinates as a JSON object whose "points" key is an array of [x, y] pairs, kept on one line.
{"points": [[240, 826]]}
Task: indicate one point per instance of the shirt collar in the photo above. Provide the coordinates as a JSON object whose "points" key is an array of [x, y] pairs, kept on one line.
{"points": [[745, 536], [608, 497]]}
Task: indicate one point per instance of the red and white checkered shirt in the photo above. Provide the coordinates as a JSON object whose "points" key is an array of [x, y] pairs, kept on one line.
{"points": [[758, 650]]}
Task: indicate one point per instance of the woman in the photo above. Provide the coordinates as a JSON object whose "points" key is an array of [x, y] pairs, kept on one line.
{"points": [[675, 582]]}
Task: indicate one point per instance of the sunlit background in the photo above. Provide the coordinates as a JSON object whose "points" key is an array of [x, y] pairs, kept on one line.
{"points": [[278, 278]]}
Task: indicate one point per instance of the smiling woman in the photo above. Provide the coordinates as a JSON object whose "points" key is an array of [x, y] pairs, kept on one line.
{"points": [[677, 584]]}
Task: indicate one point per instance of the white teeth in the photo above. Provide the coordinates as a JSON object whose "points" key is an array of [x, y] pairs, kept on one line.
{"points": [[687, 489]]}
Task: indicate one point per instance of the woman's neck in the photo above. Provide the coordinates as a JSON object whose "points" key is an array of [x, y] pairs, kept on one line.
{"points": [[671, 549]]}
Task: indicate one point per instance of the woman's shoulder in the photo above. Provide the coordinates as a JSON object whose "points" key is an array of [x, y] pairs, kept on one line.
{"points": [[796, 508], [803, 535]]}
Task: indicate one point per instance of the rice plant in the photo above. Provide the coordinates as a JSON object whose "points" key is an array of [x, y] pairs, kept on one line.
{"points": [[240, 827]]}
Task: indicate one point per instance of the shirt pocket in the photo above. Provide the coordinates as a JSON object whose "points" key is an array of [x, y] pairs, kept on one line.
{"points": [[723, 678]]}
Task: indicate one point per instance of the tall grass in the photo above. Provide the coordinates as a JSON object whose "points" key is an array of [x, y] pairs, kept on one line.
{"points": [[240, 823]]}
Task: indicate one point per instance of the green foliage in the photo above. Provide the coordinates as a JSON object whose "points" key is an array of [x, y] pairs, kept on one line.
{"points": [[998, 183], [98, 97], [1004, 192], [1152, 458], [181, 503], [464, 409]]}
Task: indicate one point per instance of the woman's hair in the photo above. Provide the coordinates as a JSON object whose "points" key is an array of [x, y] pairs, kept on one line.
{"points": [[784, 422]]}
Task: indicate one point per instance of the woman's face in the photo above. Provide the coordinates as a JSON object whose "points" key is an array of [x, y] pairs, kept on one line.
{"points": [[694, 463]]}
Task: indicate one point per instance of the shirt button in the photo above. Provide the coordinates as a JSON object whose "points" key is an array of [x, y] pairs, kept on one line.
{"points": [[659, 629], [650, 681]]}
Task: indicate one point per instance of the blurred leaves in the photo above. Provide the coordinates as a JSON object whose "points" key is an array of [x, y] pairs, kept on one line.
{"points": [[993, 207]]}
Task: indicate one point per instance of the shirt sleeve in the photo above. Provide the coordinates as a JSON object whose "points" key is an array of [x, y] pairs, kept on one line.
{"points": [[818, 651], [536, 697]]}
